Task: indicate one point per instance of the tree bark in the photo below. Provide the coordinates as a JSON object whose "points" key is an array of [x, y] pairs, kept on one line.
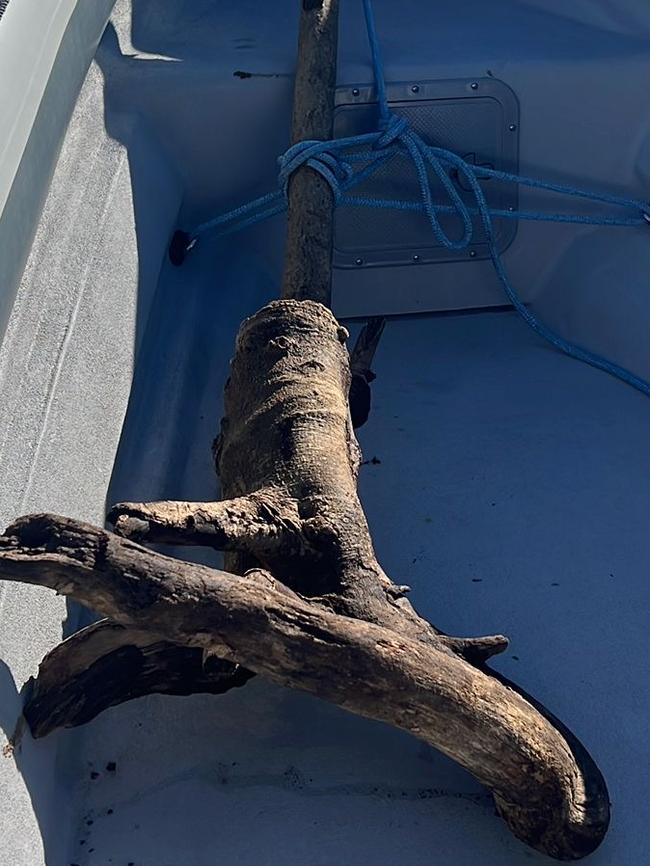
{"points": [[310, 217], [546, 798], [322, 615], [106, 664]]}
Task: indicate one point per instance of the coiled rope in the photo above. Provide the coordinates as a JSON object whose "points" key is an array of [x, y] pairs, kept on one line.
{"points": [[347, 162]]}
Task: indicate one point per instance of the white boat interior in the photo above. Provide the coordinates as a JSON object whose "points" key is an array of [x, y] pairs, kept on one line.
{"points": [[506, 483]]}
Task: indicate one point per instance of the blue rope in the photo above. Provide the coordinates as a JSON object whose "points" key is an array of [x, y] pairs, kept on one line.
{"points": [[336, 161]]}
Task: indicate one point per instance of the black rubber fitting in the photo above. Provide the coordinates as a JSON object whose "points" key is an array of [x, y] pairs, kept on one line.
{"points": [[179, 247]]}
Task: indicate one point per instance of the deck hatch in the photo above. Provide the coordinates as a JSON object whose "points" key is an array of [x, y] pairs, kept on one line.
{"points": [[477, 119]]}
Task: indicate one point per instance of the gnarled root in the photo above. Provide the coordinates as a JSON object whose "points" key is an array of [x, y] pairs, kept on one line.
{"points": [[318, 613], [548, 798]]}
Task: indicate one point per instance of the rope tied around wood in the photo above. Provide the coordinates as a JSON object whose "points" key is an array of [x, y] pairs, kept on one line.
{"points": [[347, 162]]}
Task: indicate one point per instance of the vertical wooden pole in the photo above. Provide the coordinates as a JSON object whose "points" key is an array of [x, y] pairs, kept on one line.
{"points": [[308, 256]]}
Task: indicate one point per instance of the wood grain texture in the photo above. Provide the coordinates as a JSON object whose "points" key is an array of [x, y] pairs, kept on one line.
{"points": [[319, 614], [106, 664], [310, 219], [488, 728]]}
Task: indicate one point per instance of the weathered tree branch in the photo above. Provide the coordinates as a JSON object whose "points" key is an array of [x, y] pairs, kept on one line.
{"points": [[106, 664], [493, 732], [323, 617], [259, 523], [310, 216], [361, 358]]}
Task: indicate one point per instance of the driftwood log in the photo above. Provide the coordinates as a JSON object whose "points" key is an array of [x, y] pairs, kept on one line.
{"points": [[303, 600], [317, 613], [310, 213]]}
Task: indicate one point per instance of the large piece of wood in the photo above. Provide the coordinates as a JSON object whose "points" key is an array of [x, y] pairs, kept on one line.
{"points": [[321, 614], [106, 664], [310, 218], [546, 798]]}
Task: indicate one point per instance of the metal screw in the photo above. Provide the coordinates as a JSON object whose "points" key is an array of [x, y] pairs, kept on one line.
{"points": [[416, 258], [512, 127], [355, 91], [358, 261], [472, 254], [511, 208], [474, 85], [415, 88]]}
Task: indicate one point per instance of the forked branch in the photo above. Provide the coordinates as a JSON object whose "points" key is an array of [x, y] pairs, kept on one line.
{"points": [[322, 616], [547, 798]]}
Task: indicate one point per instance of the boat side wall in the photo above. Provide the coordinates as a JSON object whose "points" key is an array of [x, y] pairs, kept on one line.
{"points": [[43, 61]]}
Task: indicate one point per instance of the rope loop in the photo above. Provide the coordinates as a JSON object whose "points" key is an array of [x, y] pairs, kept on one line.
{"points": [[319, 156], [335, 161], [391, 131]]}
